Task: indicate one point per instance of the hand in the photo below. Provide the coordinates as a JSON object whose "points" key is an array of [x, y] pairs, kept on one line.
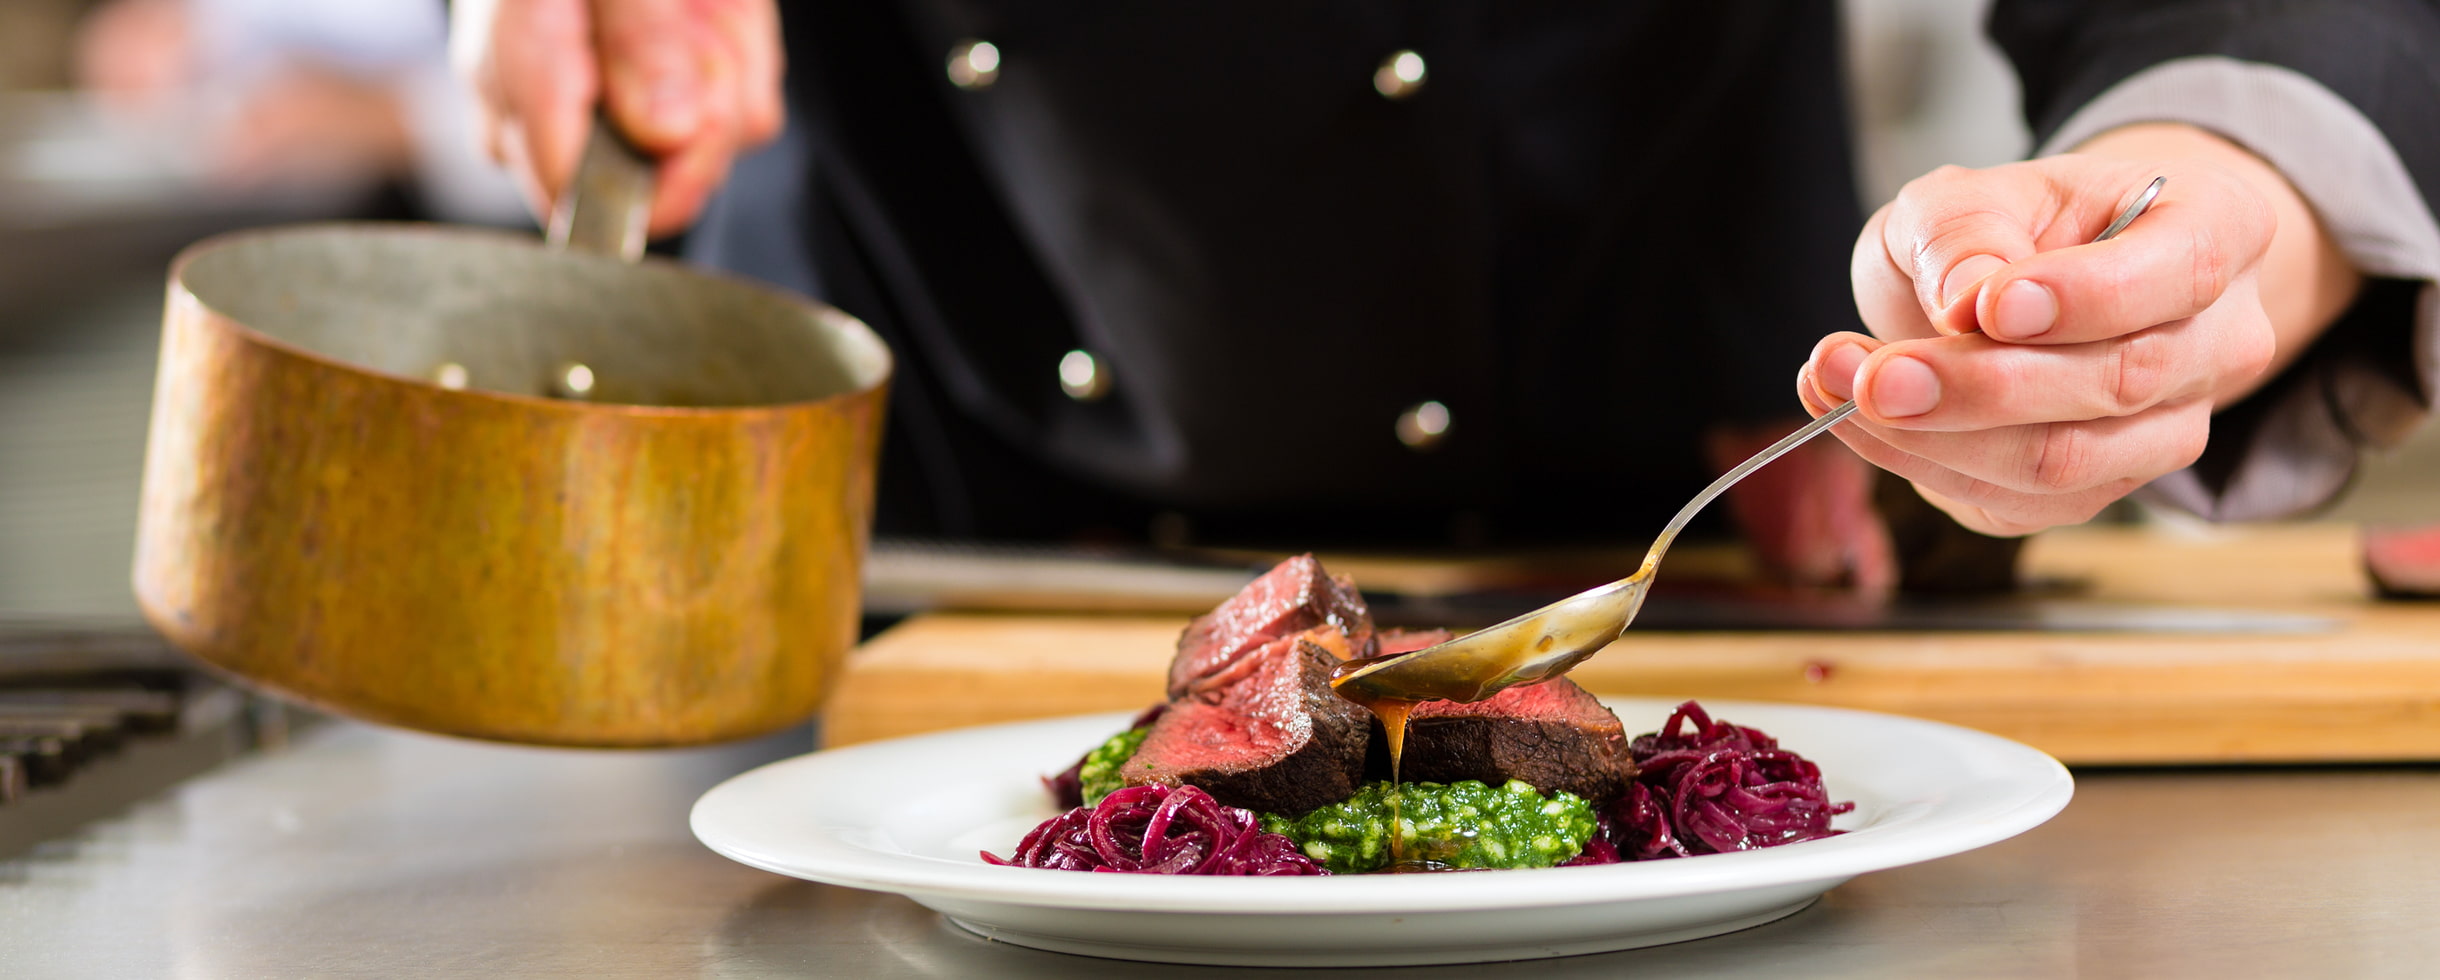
{"points": [[286, 119], [308, 123], [690, 82], [134, 55], [2023, 376]]}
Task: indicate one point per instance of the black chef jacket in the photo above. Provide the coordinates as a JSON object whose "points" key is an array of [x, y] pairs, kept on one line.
{"points": [[1592, 230]]}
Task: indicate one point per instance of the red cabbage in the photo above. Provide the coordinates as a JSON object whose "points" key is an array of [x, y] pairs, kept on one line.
{"points": [[1067, 788], [1716, 788], [1599, 850], [1158, 830]]}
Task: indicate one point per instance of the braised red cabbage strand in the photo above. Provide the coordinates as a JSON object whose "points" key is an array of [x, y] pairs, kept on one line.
{"points": [[1158, 830], [1707, 787]]}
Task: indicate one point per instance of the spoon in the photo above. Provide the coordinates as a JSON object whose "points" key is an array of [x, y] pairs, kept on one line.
{"points": [[1547, 642]]}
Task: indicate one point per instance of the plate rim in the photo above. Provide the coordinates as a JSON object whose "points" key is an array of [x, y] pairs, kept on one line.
{"points": [[2045, 790]]}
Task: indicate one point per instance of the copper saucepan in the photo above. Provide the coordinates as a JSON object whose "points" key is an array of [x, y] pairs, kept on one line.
{"points": [[456, 481]]}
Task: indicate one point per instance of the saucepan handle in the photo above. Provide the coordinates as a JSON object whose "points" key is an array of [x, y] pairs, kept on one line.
{"points": [[605, 207]]}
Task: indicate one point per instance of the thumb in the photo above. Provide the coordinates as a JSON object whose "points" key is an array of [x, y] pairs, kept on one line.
{"points": [[1950, 229]]}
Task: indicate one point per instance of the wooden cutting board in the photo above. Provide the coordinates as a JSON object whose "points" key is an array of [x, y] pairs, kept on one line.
{"points": [[2366, 690]]}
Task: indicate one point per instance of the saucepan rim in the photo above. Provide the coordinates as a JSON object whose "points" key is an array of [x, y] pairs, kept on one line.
{"points": [[856, 330]]}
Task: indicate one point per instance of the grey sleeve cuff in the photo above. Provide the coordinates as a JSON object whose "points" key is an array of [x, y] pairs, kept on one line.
{"points": [[2304, 450]]}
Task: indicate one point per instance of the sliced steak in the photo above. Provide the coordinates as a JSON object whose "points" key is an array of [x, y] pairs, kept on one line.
{"points": [[1553, 735], [1277, 740], [1294, 596]]}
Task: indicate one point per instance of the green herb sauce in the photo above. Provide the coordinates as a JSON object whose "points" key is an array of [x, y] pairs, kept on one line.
{"points": [[1100, 771], [1459, 825]]}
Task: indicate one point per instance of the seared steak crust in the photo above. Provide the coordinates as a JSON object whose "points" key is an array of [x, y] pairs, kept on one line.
{"points": [[1276, 740], [1294, 596], [1553, 735]]}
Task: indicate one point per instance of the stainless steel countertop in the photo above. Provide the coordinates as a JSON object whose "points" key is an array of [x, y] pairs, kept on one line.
{"points": [[362, 852]]}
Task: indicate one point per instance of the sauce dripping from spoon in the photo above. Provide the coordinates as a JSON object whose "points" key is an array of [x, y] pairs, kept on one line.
{"points": [[1393, 713]]}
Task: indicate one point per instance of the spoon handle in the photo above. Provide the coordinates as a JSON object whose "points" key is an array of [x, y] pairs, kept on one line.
{"points": [[604, 208], [1660, 545]]}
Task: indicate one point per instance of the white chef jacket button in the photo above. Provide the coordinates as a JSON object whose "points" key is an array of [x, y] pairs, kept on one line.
{"points": [[1423, 426], [1083, 376], [1399, 76], [974, 65]]}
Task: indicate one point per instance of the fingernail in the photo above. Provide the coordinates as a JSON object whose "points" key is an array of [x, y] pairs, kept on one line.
{"points": [[1966, 275], [1809, 390], [1904, 388], [1838, 370], [2026, 310]]}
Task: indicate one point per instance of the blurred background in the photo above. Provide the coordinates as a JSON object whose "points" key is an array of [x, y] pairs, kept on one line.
{"points": [[130, 128]]}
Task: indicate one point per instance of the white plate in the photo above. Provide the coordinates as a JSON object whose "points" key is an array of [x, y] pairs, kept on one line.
{"points": [[909, 815]]}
